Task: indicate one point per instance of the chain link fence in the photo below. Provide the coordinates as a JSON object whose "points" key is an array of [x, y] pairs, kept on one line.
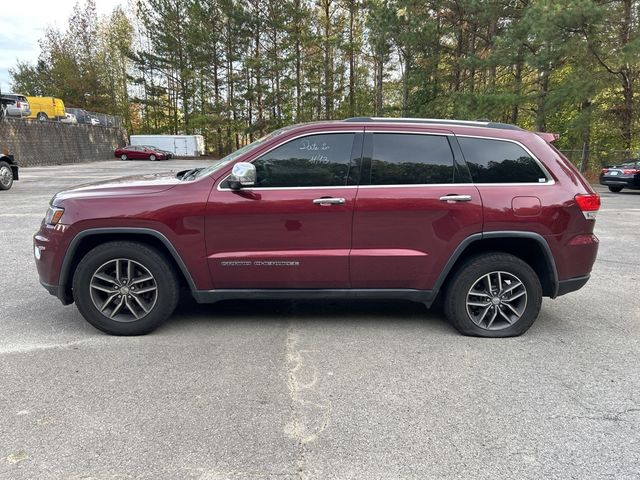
{"points": [[85, 117], [107, 120]]}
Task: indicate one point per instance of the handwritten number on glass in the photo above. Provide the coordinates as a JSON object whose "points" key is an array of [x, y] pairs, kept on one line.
{"points": [[317, 158]]}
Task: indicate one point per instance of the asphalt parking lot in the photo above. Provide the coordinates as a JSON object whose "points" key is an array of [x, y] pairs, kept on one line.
{"points": [[315, 390]]}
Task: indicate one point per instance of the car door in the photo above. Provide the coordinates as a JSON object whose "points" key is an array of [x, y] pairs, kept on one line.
{"points": [[140, 153], [293, 229], [414, 206]]}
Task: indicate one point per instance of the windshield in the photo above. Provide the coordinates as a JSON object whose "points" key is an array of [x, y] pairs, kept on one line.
{"points": [[233, 155]]}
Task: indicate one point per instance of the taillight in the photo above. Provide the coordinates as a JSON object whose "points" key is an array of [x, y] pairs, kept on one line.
{"points": [[604, 170], [18, 104], [589, 204], [632, 171]]}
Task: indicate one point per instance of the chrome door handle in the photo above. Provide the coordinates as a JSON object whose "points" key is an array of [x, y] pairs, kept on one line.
{"points": [[329, 201], [456, 198]]}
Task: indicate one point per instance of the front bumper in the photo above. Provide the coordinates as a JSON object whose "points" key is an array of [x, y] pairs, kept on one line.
{"points": [[58, 292], [49, 245]]}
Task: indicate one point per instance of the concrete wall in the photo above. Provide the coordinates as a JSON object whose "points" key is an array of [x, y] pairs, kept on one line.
{"points": [[53, 143]]}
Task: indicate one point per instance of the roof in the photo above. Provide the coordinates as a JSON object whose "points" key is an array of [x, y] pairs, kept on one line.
{"points": [[436, 121]]}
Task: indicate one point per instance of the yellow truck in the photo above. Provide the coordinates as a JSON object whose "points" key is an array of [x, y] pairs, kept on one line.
{"points": [[46, 108]]}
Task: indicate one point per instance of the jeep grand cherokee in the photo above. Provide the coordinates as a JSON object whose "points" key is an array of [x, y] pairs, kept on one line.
{"points": [[487, 216]]}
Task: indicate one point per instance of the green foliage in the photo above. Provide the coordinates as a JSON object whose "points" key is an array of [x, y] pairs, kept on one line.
{"points": [[234, 70], [86, 65]]}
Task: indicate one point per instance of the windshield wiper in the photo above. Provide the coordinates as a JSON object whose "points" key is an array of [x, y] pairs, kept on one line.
{"points": [[189, 173]]}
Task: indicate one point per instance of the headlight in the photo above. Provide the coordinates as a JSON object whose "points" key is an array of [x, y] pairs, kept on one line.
{"points": [[53, 216]]}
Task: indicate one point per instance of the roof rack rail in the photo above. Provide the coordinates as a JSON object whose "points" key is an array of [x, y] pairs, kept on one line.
{"points": [[428, 121]]}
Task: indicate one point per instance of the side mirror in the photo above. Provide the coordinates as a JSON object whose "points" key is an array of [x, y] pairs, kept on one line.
{"points": [[242, 175]]}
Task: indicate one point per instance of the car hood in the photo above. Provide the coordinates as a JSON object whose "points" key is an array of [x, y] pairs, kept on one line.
{"points": [[132, 185]]}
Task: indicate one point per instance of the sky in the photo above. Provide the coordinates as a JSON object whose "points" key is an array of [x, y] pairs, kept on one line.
{"points": [[23, 22]]}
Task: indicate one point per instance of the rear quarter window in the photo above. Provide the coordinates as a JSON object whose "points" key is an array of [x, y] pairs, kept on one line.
{"points": [[500, 161]]}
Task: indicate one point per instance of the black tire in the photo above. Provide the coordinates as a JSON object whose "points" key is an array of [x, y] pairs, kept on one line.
{"points": [[6, 176], [42, 116], [615, 189], [124, 157], [152, 158], [475, 270], [164, 281]]}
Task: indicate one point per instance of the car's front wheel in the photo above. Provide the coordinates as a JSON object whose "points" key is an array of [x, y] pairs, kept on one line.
{"points": [[615, 189], [493, 295], [124, 157], [125, 288], [6, 176], [152, 158], [42, 116]]}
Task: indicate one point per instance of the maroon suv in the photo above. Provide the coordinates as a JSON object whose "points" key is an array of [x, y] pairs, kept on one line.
{"points": [[488, 216]]}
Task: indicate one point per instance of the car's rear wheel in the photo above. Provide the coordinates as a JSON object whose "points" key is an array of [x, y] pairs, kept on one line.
{"points": [[125, 288], [152, 158], [615, 189], [124, 157], [6, 176], [42, 116], [493, 295]]}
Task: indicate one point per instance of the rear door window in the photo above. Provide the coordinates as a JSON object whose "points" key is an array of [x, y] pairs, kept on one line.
{"points": [[411, 159], [500, 161]]}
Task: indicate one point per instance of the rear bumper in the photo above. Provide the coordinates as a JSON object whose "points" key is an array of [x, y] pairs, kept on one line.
{"points": [[572, 284], [625, 182]]}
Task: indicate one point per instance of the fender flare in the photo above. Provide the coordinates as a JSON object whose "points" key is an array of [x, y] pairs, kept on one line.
{"points": [[539, 239], [75, 242]]}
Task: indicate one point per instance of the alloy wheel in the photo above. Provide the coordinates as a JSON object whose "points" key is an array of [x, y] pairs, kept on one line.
{"points": [[496, 300], [123, 290]]}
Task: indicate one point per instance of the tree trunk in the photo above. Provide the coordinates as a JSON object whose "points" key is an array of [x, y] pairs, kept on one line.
{"points": [[586, 135], [379, 80], [541, 101], [352, 61], [216, 89], [627, 76], [517, 86], [298, 50], [328, 61], [258, 75]]}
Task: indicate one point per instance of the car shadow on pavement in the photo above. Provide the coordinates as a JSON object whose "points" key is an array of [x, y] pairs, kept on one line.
{"points": [[329, 312]]}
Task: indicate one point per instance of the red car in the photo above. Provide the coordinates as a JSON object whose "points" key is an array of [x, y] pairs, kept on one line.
{"points": [[489, 216], [140, 152]]}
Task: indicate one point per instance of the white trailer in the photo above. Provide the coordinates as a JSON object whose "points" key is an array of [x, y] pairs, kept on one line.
{"points": [[180, 145]]}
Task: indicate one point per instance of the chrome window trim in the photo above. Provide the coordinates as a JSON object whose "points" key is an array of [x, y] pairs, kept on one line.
{"points": [[550, 179], [441, 185], [250, 189], [354, 130], [380, 129]]}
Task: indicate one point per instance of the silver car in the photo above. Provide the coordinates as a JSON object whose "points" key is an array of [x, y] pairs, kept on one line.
{"points": [[15, 105]]}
